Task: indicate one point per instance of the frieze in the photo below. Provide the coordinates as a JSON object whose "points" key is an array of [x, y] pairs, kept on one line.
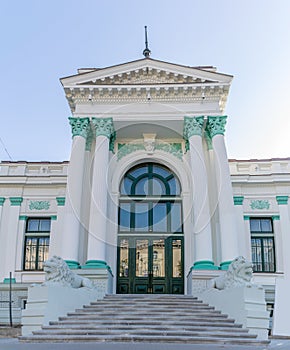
{"points": [[39, 205]]}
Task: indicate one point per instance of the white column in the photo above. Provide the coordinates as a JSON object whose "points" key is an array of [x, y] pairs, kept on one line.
{"points": [[72, 215], [12, 232], [228, 227], [193, 129], [98, 211], [285, 236]]}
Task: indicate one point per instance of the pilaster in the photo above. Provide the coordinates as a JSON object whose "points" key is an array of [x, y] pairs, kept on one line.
{"points": [[282, 202]]}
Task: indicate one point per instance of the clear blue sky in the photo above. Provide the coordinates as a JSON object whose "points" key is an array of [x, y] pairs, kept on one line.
{"points": [[42, 41]]}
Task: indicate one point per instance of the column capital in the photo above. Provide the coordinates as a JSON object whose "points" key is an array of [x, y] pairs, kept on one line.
{"points": [[216, 125], [89, 140], [105, 127], [16, 201], [2, 200], [282, 200], [192, 126], [238, 200], [60, 201], [79, 126]]}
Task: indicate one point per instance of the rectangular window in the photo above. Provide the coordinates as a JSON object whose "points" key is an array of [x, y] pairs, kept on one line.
{"points": [[36, 243], [262, 243]]}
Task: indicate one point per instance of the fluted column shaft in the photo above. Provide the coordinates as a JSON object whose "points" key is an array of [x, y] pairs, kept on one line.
{"points": [[103, 128], [193, 129], [228, 227], [72, 210]]}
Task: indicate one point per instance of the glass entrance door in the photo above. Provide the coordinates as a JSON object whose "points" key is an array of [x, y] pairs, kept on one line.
{"points": [[150, 265]]}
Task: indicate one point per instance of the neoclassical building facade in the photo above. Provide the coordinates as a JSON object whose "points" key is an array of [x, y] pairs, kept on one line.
{"points": [[148, 197]]}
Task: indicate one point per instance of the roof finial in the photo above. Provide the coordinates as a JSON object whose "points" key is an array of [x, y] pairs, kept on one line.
{"points": [[146, 51]]}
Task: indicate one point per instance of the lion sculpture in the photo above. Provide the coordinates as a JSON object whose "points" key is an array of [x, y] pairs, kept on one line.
{"points": [[239, 274], [58, 273]]}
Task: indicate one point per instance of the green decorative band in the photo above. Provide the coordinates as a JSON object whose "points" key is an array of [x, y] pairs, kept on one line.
{"points": [[275, 217], [216, 125], [7, 280], [204, 265], [16, 201], [79, 126], [282, 200], [173, 148], [2, 200], [225, 265], [72, 264], [39, 205], [238, 200], [22, 217], [260, 204], [60, 201], [53, 217], [95, 264], [246, 217]]}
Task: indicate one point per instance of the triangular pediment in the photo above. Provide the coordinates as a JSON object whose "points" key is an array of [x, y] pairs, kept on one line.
{"points": [[146, 72]]}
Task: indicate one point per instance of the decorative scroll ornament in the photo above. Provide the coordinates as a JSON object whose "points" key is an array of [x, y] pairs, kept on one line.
{"points": [[79, 126], [216, 125], [260, 204], [39, 205]]}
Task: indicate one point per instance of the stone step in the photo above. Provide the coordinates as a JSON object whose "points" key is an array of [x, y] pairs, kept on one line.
{"points": [[112, 322], [146, 339], [147, 332], [193, 328]]}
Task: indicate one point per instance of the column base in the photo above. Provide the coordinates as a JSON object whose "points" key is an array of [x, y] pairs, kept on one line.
{"points": [[7, 280], [72, 264], [204, 265], [225, 265]]}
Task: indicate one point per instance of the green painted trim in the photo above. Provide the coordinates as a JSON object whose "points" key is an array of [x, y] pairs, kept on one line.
{"points": [[60, 201], [7, 280], [2, 200], [22, 217], [16, 201], [53, 217], [72, 264], [208, 139], [79, 126], [89, 139], [204, 265], [216, 125], [225, 265], [238, 200], [282, 200], [95, 264], [246, 217], [275, 217]]}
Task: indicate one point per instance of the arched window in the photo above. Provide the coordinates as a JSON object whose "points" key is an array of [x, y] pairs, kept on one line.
{"points": [[150, 200]]}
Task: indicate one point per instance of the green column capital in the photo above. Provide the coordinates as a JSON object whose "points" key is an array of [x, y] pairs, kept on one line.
{"points": [[105, 127], [216, 125], [89, 140], [192, 126], [275, 217], [2, 200], [79, 126], [238, 200], [16, 201], [282, 200], [60, 201]]}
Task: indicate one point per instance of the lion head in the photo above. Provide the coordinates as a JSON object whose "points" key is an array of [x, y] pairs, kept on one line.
{"points": [[240, 272], [57, 271]]}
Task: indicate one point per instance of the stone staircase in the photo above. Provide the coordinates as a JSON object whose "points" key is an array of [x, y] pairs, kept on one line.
{"points": [[145, 318]]}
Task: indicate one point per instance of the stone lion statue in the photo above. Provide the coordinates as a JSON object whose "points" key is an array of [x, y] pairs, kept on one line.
{"points": [[58, 273], [239, 274]]}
